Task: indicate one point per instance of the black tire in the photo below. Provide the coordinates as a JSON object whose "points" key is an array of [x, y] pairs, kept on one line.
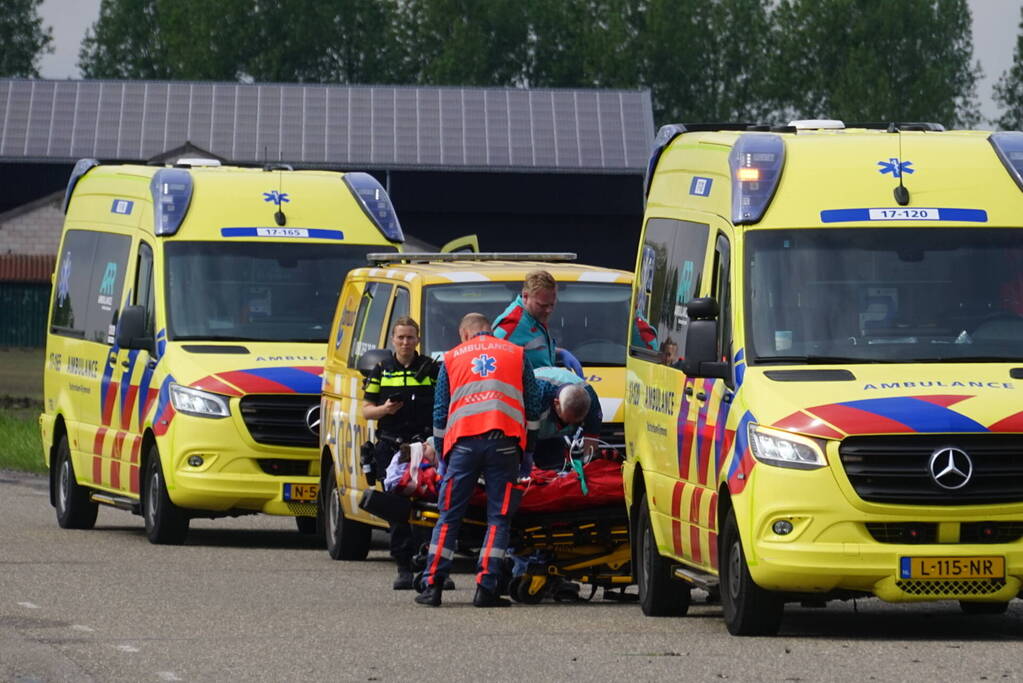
{"points": [[306, 525], [346, 539], [166, 523], [660, 594], [983, 608], [74, 509], [749, 610]]}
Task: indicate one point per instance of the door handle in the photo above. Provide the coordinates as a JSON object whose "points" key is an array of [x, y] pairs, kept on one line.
{"points": [[689, 391], [111, 358], [702, 396], [125, 364]]}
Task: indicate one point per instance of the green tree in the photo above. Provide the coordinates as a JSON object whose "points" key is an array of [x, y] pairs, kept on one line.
{"points": [[260, 40], [875, 60], [706, 60], [1008, 91], [23, 39]]}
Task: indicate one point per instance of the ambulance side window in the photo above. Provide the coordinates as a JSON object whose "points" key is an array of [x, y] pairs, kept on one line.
{"points": [[370, 320], [108, 269], [721, 291], [144, 295], [71, 291], [671, 268], [400, 309]]}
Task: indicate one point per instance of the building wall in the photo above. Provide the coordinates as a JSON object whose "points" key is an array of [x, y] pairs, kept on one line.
{"points": [[33, 230]]}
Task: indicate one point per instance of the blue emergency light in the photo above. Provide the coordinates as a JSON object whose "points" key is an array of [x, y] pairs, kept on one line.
{"points": [[81, 168], [664, 137], [1009, 148], [172, 193], [375, 204], [756, 163]]}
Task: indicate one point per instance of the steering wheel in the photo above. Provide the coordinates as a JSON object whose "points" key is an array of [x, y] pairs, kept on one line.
{"points": [[999, 326]]}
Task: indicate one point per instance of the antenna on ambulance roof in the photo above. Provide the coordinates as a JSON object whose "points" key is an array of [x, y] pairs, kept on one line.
{"points": [[900, 192]]}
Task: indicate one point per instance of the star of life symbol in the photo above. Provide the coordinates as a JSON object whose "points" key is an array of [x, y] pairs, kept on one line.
{"points": [[484, 365], [895, 167], [276, 197], [64, 281]]}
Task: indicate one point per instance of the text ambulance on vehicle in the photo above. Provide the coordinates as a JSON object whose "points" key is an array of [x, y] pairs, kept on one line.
{"points": [[191, 306], [847, 419], [436, 290]]}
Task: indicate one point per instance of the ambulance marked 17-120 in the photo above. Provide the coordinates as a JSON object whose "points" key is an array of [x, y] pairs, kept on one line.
{"points": [[847, 417], [190, 313]]}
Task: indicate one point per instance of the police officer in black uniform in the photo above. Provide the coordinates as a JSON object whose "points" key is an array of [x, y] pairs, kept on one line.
{"points": [[399, 396]]}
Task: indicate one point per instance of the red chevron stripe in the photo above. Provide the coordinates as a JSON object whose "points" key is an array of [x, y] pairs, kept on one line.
{"points": [[676, 514], [855, 421], [805, 423]]}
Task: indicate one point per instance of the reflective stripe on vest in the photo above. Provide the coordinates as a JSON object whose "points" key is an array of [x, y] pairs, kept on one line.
{"points": [[485, 376]]}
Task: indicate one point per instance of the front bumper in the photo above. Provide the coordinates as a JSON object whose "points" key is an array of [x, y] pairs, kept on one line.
{"points": [[831, 549]]}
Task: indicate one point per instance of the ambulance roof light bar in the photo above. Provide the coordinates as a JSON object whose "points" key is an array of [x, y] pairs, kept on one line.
{"points": [[817, 124], [756, 162], [81, 168], [172, 193], [1009, 148], [375, 203], [424, 257]]}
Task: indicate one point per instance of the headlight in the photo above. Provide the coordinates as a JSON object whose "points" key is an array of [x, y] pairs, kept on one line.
{"points": [[197, 402], [782, 449]]}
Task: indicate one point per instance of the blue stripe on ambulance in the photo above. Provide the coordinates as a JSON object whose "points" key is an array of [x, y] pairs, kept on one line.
{"points": [[922, 416]]}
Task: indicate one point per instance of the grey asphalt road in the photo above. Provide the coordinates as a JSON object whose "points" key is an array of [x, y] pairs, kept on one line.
{"points": [[249, 599]]}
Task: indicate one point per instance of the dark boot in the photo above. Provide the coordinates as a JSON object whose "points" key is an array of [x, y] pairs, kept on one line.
{"points": [[449, 585], [430, 596], [485, 598], [404, 580]]}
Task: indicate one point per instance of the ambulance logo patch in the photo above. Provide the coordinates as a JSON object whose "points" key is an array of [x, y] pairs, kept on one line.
{"points": [[276, 197], [484, 365], [895, 167]]}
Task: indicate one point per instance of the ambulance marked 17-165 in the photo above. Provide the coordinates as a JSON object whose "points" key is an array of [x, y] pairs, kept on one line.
{"points": [[190, 313], [846, 420], [437, 290]]}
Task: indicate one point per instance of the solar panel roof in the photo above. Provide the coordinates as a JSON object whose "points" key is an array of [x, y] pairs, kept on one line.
{"points": [[343, 126]]}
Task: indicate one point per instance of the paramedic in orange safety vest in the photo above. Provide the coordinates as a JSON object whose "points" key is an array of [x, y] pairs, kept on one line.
{"points": [[486, 408]]}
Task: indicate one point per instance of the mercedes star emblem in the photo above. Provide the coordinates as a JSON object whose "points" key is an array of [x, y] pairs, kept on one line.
{"points": [[312, 419], [950, 468]]}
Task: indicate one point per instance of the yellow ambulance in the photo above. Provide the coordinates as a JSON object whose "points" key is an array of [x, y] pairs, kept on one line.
{"points": [[191, 308], [436, 290], [846, 419]]}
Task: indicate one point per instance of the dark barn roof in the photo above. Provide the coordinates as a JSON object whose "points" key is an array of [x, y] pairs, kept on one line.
{"points": [[336, 126]]}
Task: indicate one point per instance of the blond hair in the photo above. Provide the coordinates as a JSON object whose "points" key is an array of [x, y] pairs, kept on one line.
{"points": [[537, 280]]}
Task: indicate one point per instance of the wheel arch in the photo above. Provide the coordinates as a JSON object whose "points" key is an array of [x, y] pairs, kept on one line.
{"points": [[59, 430]]}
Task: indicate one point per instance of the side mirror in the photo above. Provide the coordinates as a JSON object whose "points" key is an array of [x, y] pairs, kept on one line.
{"points": [[370, 360], [701, 358], [131, 330]]}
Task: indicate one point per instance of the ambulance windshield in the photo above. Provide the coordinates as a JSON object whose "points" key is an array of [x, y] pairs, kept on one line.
{"points": [[590, 318], [255, 291], [894, 295]]}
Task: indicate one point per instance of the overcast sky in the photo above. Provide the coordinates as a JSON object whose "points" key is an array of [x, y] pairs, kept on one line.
{"points": [[995, 27]]}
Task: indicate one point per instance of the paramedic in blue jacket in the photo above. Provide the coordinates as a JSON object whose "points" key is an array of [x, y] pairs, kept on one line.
{"points": [[567, 403], [524, 322]]}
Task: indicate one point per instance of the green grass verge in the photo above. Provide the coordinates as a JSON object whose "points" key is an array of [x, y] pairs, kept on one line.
{"points": [[21, 447]]}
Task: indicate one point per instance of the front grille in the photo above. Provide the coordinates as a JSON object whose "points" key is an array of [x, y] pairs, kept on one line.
{"points": [[895, 469], [927, 532], [279, 420], [951, 589], [279, 467], [990, 532], [903, 532], [613, 433]]}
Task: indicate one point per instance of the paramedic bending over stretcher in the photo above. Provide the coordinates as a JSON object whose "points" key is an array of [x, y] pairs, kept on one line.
{"points": [[484, 414], [567, 402]]}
